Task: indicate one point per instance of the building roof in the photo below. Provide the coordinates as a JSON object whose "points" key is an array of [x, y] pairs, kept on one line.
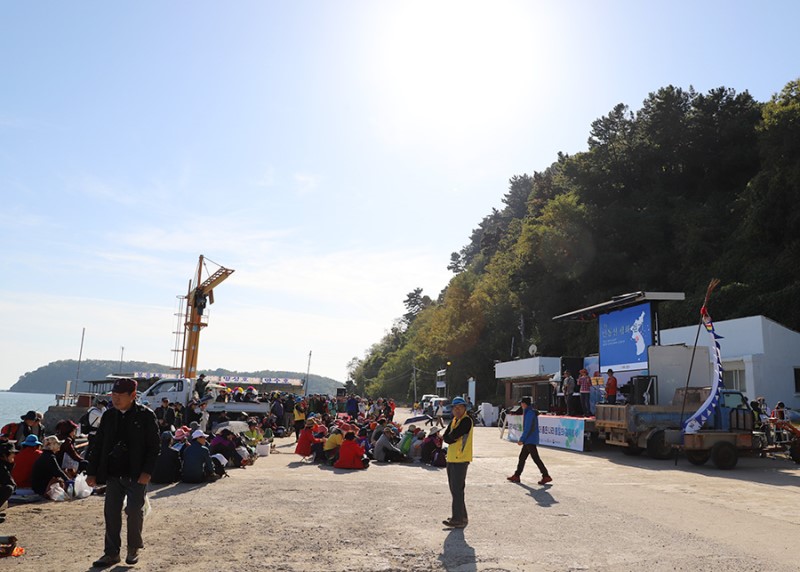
{"points": [[617, 302]]}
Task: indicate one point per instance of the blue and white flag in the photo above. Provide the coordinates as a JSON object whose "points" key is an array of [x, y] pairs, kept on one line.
{"points": [[694, 423]]}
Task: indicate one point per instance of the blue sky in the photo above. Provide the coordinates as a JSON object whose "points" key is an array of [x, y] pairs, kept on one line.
{"points": [[333, 153]]}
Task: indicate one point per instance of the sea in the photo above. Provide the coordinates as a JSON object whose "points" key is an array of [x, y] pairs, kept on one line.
{"points": [[14, 405]]}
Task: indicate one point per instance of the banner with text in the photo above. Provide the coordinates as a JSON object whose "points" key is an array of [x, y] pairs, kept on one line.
{"points": [[561, 432], [514, 426]]}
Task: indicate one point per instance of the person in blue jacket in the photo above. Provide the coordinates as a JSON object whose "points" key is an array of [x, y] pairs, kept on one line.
{"points": [[528, 441], [197, 464]]}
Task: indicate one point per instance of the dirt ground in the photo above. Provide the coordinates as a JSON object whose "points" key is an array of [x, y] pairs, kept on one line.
{"points": [[604, 511]]}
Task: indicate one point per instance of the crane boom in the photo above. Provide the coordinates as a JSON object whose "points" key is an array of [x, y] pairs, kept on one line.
{"points": [[197, 298]]}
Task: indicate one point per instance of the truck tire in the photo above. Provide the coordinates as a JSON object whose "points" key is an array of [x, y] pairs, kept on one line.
{"points": [[657, 446], [698, 457], [632, 450], [794, 451], [724, 456]]}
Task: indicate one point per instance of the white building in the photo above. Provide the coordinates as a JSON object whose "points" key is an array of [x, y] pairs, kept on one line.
{"points": [[759, 356]]}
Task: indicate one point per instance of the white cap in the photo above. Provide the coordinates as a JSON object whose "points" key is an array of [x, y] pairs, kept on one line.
{"points": [[198, 433]]}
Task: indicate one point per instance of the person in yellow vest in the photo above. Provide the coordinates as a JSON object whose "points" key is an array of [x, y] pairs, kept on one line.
{"points": [[458, 436]]}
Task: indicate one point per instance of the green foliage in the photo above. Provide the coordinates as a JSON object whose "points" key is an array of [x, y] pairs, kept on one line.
{"points": [[687, 187]]}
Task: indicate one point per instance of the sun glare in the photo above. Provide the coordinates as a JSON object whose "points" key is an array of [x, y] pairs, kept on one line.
{"points": [[449, 70]]}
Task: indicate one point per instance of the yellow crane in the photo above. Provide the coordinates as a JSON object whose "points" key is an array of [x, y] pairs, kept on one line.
{"points": [[196, 300]]}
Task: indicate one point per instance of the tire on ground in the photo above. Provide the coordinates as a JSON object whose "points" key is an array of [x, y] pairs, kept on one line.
{"points": [[698, 457], [724, 455], [794, 451], [632, 450], [657, 446]]}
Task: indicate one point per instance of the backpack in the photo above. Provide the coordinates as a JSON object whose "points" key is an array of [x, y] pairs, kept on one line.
{"points": [[9, 431], [84, 423], [219, 468], [439, 458]]}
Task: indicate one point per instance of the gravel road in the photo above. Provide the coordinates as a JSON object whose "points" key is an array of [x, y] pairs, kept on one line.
{"points": [[603, 512]]}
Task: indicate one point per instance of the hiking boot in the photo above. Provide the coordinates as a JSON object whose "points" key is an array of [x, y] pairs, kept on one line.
{"points": [[106, 560], [545, 479], [454, 523], [132, 557], [513, 478]]}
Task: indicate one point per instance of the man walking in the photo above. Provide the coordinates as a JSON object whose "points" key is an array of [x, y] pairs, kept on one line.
{"points": [[458, 436], [123, 458], [528, 441]]}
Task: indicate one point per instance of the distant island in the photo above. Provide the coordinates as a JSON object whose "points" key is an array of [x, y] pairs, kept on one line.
{"points": [[51, 378]]}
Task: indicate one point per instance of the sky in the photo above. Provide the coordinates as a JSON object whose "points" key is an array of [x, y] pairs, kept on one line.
{"points": [[332, 153]]}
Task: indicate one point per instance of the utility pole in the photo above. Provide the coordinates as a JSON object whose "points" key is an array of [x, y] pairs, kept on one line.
{"points": [[414, 377], [308, 372], [121, 354]]}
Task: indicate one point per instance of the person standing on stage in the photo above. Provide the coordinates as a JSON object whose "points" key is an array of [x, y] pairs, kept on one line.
{"points": [[458, 436], [124, 457], [529, 441], [611, 388], [585, 383], [569, 389]]}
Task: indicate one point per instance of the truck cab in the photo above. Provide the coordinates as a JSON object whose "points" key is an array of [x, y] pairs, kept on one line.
{"points": [[176, 390]]}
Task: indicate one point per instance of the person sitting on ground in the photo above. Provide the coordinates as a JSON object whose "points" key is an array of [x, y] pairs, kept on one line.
{"points": [[362, 439], [332, 445], [24, 460], [253, 436], [306, 439], [46, 471], [168, 463], [415, 452], [432, 442], [386, 451], [406, 439], [7, 484], [377, 432], [31, 425], [224, 443], [68, 457], [197, 464], [351, 454]]}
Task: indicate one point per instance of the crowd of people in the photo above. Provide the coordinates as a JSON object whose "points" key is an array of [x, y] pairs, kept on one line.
{"points": [[365, 431]]}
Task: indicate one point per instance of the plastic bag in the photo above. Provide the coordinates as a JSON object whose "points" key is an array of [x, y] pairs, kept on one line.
{"points": [[147, 508], [82, 490], [56, 492]]}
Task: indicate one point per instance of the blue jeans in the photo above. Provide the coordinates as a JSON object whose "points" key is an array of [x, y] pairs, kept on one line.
{"points": [[585, 404], [457, 479], [117, 489]]}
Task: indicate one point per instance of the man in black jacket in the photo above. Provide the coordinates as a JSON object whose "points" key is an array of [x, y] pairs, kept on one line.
{"points": [[124, 457]]}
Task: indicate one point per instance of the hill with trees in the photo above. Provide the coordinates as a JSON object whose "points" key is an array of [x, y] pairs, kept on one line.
{"points": [[51, 378], [688, 187]]}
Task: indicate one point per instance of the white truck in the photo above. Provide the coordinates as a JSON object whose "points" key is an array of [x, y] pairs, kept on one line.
{"points": [[182, 390]]}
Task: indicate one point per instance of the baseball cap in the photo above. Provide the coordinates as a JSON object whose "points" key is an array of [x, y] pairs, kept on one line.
{"points": [[124, 385], [525, 400], [198, 433]]}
